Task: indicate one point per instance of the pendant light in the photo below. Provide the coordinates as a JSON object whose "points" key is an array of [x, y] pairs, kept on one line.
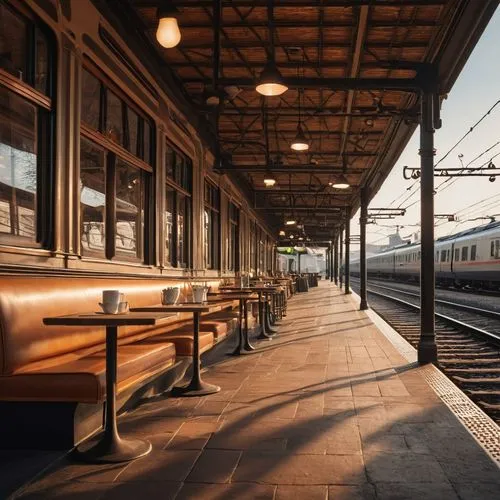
{"points": [[269, 179], [168, 33], [341, 182], [270, 82], [300, 142]]}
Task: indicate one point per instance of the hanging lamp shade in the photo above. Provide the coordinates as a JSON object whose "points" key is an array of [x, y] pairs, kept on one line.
{"points": [[269, 179], [300, 142], [270, 81], [341, 182], [168, 33]]}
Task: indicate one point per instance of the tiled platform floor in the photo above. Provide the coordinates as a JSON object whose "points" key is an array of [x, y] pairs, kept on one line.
{"points": [[329, 409]]}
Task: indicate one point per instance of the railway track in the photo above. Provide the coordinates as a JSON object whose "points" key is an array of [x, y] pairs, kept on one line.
{"points": [[468, 340]]}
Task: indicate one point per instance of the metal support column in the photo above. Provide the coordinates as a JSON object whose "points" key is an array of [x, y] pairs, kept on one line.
{"points": [[332, 270], [327, 263], [336, 259], [363, 305], [427, 349], [347, 244], [341, 250]]}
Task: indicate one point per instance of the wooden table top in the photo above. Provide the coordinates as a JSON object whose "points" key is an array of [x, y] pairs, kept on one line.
{"points": [[182, 307], [235, 295], [102, 319]]}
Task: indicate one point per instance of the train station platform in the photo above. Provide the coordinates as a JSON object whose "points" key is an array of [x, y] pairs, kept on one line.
{"points": [[333, 408]]}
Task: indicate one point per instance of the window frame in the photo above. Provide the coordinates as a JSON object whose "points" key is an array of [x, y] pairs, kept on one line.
{"points": [[186, 192], [214, 242], [114, 152], [45, 128], [233, 263]]}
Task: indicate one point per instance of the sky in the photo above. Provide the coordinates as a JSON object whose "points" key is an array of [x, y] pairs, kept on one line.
{"points": [[475, 91]]}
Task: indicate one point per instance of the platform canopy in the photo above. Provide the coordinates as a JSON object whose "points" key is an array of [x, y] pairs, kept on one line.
{"points": [[354, 71]]}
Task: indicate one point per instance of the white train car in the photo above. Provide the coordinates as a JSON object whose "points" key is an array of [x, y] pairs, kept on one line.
{"points": [[470, 258]]}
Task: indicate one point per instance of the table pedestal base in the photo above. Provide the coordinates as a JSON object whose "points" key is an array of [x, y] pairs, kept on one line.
{"points": [[195, 388], [114, 451]]}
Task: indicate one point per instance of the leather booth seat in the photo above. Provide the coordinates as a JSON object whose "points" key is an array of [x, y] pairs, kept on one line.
{"points": [[59, 363]]}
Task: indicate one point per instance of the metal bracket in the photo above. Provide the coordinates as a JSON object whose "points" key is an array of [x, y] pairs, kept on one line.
{"points": [[491, 171]]}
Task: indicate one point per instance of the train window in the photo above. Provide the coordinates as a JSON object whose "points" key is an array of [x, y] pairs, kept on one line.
{"points": [[492, 251], [497, 249], [26, 129], [473, 250], [447, 256], [465, 253], [457, 254], [443, 255]]}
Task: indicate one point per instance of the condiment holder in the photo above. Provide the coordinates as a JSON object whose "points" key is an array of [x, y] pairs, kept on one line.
{"points": [[170, 295]]}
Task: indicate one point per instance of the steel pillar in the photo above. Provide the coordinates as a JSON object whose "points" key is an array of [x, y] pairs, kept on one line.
{"points": [[347, 245], [327, 263], [427, 349], [336, 259], [341, 250], [298, 263], [363, 305], [331, 259]]}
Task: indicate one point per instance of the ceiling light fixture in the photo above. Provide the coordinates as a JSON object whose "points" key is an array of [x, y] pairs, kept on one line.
{"points": [[369, 122], [270, 82], [282, 233], [341, 182], [291, 222], [168, 33], [269, 179], [300, 142]]}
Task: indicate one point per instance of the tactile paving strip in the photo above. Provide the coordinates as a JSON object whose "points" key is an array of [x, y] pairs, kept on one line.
{"points": [[482, 427]]}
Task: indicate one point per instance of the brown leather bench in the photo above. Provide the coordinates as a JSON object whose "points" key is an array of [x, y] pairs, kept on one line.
{"points": [[59, 372]]}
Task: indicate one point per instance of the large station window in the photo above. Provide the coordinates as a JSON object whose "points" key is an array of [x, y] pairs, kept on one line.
{"points": [[115, 173], [178, 209], [211, 225], [26, 128], [234, 238]]}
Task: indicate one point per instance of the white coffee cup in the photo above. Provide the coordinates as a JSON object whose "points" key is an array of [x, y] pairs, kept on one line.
{"points": [[112, 297]]}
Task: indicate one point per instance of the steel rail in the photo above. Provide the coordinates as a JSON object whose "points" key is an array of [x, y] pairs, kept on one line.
{"points": [[454, 322]]}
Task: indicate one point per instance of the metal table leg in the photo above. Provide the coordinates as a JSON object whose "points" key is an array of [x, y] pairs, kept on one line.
{"points": [[111, 448], [196, 387], [246, 345], [262, 323]]}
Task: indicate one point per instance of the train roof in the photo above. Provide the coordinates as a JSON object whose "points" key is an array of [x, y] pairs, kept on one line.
{"points": [[473, 230]]}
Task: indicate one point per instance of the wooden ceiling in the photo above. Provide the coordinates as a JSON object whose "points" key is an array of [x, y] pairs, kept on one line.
{"points": [[320, 48]]}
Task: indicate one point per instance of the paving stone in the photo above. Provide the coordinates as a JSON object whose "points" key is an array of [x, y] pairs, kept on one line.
{"points": [[477, 490], [214, 466], [301, 492], [283, 468], [411, 491], [239, 491], [151, 491], [63, 491], [403, 468], [163, 465], [364, 492]]}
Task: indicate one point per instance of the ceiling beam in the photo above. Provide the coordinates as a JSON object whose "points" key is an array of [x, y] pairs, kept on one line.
{"points": [[304, 169], [253, 44], [355, 65], [287, 3], [280, 192]]}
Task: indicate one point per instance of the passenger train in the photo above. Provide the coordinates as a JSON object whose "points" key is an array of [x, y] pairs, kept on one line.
{"points": [[468, 259]]}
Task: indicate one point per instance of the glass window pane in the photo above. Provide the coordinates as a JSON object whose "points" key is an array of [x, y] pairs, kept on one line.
{"points": [[41, 63], [207, 226], [181, 231], [13, 43], [133, 124], [92, 199], [91, 98], [169, 223], [114, 118], [129, 210], [170, 160], [18, 165]]}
